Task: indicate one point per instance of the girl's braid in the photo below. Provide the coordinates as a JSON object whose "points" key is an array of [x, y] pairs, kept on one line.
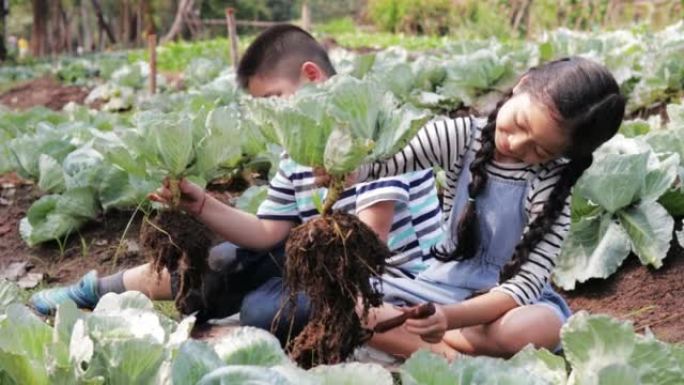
{"points": [[466, 229], [546, 219]]}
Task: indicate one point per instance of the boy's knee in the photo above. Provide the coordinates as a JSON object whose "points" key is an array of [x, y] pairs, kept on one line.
{"points": [[263, 308], [222, 256], [257, 310]]}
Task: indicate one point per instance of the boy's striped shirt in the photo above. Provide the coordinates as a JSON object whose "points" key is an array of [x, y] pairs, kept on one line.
{"points": [[416, 225]]}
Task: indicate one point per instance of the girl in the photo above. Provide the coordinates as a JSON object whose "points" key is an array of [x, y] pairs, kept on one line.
{"points": [[507, 209]]}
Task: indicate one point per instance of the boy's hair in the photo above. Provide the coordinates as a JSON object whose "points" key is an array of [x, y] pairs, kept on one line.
{"points": [[281, 50], [585, 100]]}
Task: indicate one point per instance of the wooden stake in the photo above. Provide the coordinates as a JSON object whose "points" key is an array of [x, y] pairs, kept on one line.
{"points": [[152, 46], [232, 35], [306, 16]]}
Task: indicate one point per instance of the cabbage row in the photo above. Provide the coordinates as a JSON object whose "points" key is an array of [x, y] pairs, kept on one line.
{"points": [[125, 341]]}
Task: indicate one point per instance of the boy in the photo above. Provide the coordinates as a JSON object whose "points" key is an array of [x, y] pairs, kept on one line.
{"points": [[277, 63]]}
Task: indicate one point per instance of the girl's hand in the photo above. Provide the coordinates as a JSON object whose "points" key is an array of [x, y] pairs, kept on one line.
{"points": [[192, 200], [430, 329]]}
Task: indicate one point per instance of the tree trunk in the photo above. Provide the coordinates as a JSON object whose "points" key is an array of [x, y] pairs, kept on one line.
{"points": [[39, 28], [520, 14], [139, 17], [55, 26], [66, 28], [148, 17], [193, 22], [88, 38], [125, 23], [4, 11], [184, 6], [102, 22]]}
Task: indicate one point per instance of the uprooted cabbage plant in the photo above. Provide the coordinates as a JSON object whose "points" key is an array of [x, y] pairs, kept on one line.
{"points": [[336, 126], [173, 146]]}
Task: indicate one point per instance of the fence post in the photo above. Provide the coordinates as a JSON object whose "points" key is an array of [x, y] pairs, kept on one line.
{"points": [[232, 35], [152, 46], [306, 16]]}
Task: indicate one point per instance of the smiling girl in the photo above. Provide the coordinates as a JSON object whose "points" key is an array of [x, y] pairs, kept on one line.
{"points": [[507, 207]]}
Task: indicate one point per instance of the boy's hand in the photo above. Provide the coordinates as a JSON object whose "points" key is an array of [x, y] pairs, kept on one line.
{"points": [[192, 200], [430, 329]]}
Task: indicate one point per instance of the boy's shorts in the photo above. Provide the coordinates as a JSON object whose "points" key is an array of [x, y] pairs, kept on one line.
{"points": [[223, 289]]}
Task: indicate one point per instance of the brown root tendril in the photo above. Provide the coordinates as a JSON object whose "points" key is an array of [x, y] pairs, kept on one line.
{"points": [[331, 259], [180, 243]]}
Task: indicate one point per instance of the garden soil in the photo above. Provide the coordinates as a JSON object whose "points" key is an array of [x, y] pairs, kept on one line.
{"points": [[44, 91], [649, 298], [104, 244]]}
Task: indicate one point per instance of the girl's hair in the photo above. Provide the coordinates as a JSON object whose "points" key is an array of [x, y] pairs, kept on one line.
{"points": [[585, 100]]}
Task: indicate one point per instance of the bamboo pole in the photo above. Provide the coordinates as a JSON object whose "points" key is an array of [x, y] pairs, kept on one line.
{"points": [[232, 35], [152, 46]]}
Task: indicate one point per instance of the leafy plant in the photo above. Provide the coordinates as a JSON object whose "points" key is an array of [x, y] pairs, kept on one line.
{"points": [[359, 122], [624, 184], [598, 350]]}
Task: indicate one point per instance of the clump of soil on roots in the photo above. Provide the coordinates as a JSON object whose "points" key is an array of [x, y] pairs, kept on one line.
{"points": [[180, 243], [331, 259]]}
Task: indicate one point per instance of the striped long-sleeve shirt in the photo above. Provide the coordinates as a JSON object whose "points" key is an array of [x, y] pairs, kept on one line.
{"points": [[444, 144]]}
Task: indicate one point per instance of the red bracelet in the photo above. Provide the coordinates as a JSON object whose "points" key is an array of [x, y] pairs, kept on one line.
{"points": [[204, 199]]}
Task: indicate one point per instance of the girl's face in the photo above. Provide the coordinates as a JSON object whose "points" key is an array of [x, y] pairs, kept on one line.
{"points": [[527, 132]]}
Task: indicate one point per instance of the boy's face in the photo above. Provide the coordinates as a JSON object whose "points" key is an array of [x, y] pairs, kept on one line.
{"points": [[267, 86], [264, 86]]}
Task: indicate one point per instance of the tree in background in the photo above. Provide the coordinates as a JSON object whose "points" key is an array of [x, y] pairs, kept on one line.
{"points": [[265, 10], [516, 18], [4, 11], [55, 26], [39, 42]]}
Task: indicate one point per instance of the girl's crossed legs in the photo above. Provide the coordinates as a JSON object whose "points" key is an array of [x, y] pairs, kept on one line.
{"points": [[537, 324]]}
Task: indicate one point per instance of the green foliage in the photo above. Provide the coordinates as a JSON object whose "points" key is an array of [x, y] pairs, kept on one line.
{"points": [[125, 341], [430, 17], [276, 10], [602, 350], [625, 202], [250, 200], [625, 182], [599, 350], [251, 346], [177, 56], [505, 19], [530, 366], [336, 27], [361, 122]]}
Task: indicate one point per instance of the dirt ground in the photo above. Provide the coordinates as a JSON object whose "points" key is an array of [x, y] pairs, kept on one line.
{"points": [[44, 91], [94, 248], [650, 298], [105, 244]]}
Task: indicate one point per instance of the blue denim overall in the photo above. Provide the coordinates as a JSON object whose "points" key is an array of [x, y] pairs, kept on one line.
{"points": [[502, 218]]}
